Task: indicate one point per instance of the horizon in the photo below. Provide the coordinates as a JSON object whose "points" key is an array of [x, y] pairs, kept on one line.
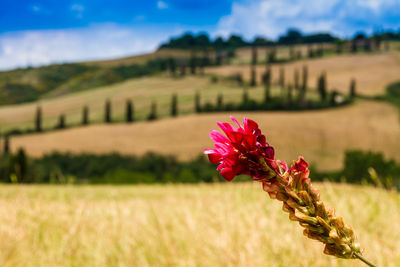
{"points": [[73, 31]]}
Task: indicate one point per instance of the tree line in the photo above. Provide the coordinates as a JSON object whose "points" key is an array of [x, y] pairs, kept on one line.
{"points": [[359, 168], [292, 36]]}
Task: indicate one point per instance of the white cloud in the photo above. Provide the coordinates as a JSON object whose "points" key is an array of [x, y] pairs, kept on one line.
{"points": [[272, 17], [162, 5], [42, 47]]}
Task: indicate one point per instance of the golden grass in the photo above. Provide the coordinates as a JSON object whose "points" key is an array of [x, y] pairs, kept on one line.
{"points": [[373, 72], [183, 225], [321, 137]]}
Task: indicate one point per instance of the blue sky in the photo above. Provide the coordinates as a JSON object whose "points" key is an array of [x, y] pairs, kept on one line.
{"points": [[39, 32]]}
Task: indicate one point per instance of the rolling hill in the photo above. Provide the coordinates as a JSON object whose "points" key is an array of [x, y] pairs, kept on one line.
{"points": [[320, 136]]}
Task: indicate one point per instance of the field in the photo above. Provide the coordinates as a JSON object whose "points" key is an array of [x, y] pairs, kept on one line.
{"points": [[373, 72], [141, 91], [183, 225], [321, 137]]}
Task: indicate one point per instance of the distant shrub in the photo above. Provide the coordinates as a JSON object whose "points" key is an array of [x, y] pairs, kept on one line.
{"points": [[357, 164]]}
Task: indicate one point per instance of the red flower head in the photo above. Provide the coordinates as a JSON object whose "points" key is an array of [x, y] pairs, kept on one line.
{"points": [[243, 150]]}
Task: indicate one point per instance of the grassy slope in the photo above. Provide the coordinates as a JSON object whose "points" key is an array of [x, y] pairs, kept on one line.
{"points": [[141, 91], [141, 59], [373, 72], [320, 136], [183, 225]]}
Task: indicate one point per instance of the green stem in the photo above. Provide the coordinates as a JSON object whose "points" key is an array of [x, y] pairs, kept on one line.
{"points": [[360, 257]]}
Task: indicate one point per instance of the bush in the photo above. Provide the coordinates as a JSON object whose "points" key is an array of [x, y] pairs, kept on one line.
{"points": [[357, 163]]}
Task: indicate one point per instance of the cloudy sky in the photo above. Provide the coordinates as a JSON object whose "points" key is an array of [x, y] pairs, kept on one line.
{"points": [[39, 32]]}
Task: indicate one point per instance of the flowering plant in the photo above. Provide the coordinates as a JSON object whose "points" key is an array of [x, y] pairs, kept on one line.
{"points": [[244, 150]]}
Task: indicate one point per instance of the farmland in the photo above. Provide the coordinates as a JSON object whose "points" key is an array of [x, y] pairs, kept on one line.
{"points": [[373, 72], [320, 136], [183, 225]]}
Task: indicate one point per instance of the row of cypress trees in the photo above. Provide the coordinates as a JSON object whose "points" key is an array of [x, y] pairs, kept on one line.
{"points": [[129, 114]]}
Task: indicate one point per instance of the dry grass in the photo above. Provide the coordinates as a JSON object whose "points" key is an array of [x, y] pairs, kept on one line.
{"points": [[320, 136], [183, 225], [373, 72]]}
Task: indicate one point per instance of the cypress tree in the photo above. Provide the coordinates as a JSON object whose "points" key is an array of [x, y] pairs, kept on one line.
{"points": [[193, 63], [174, 105], [172, 66], [296, 79], [107, 111], [21, 165], [272, 55], [153, 112], [339, 47], [218, 58], [197, 104], [253, 76], [354, 47], [322, 86], [38, 119], [129, 111], [61, 122], [282, 80], [310, 51], [353, 92], [253, 55], [303, 89], [367, 45], [6, 144], [183, 69], [305, 78], [292, 53], [267, 85], [85, 115], [321, 50], [205, 59], [220, 102]]}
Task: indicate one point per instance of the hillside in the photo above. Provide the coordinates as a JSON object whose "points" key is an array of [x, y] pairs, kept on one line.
{"points": [[142, 91], [230, 224], [30, 84], [320, 136], [372, 72]]}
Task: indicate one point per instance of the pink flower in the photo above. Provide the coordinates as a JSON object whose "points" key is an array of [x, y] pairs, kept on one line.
{"points": [[243, 150]]}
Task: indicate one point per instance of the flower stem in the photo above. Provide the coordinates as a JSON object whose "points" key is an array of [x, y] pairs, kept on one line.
{"points": [[360, 257]]}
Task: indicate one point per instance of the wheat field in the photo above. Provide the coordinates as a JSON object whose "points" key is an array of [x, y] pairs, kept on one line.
{"points": [[321, 136], [183, 225]]}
